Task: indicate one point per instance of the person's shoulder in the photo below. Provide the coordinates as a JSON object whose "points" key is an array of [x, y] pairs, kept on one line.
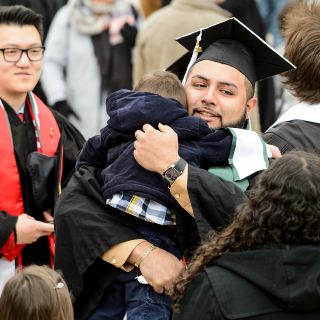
{"points": [[68, 129], [199, 301], [62, 16]]}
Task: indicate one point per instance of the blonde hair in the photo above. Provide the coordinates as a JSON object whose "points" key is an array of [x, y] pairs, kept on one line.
{"points": [[36, 293]]}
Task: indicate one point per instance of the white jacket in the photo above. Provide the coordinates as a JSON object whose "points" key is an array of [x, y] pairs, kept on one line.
{"points": [[71, 72]]}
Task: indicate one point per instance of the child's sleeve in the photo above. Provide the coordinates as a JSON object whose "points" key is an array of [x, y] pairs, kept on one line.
{"points": [[93, 154]]}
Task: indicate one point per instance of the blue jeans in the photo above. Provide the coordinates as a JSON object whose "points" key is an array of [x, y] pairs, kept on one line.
{"points": [[125, 295]]}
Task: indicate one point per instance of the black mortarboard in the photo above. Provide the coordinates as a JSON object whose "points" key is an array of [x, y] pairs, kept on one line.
{"points": [[233, 43]]}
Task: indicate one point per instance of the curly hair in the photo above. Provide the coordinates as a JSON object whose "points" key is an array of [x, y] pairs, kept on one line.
{"points": [[283, 208], [301, 30]]}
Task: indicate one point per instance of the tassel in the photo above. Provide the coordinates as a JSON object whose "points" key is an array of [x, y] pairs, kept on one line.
{"points": [[197, 49]]}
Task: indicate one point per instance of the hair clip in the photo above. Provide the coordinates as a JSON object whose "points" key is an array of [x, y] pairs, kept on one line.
{"points": [[59, 285]]}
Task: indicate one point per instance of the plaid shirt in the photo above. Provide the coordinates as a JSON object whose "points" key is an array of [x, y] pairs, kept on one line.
{"points": [[142, 208]]}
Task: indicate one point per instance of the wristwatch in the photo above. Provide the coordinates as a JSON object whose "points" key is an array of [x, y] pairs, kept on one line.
{"points": [[174, 171]]}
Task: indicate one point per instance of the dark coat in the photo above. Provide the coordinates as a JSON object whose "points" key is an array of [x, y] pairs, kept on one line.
{"points": [[265, 284]]}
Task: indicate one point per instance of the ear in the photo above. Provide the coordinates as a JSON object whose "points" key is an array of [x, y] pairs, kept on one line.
{"points": [[251, 104]]}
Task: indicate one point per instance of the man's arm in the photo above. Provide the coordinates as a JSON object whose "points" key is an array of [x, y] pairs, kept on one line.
{"points": [[195, 184]]}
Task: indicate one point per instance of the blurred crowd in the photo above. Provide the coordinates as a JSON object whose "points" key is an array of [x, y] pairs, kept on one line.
{"points": [[159, 159]]}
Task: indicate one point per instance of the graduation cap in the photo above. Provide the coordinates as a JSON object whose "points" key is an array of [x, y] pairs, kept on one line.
{"points": [[231, 42]]}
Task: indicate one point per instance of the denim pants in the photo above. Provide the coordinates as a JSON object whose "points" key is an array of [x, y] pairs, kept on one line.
{"points": [[125, 295]]}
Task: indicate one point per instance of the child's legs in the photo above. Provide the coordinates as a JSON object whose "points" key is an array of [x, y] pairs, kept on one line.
{"points": [[112, 305], [142, 301], [126, 294]]}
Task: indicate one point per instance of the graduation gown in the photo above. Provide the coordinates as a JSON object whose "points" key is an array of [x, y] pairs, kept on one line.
{"points": [[294, 135], [86, 227], [296, 129], [24, 141]]}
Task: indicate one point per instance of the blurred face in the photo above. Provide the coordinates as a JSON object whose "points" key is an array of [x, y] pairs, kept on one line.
{"points": [[17, 78], [217, 93]]}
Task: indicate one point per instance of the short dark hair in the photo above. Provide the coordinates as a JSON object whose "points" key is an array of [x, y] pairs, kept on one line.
{"points": [[21, 16], [301, 30], [164, 83]]}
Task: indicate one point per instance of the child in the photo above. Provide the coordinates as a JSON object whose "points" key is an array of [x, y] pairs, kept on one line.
{"points": [[36, 293], [135, 191]]}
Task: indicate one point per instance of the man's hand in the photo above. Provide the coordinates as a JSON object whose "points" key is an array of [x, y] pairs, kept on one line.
{"points": [[160, 268], [156, 150], [29, 230], [275, 152]]}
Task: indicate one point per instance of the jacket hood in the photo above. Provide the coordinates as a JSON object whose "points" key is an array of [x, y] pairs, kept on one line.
{"points": [[267, 280], [130, 110]]}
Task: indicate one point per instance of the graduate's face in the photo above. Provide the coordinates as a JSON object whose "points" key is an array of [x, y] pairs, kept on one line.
{"points": [[217, 93], [17, 78]]}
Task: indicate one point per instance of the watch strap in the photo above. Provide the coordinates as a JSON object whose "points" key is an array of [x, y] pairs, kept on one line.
{"points": [[174, 171]]}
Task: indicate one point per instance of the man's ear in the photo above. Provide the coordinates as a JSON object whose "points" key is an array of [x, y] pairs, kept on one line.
{"points": [[251, 104]]}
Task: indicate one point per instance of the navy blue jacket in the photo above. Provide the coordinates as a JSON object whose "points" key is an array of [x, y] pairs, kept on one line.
{"points": [[113, 148]]}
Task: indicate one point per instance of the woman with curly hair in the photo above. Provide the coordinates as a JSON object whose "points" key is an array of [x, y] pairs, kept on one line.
{"points": [[266, 264]]}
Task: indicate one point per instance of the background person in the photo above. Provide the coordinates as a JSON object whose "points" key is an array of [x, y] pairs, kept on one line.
{"points": [[155, 46], [36, 293], [88, 55], [298, 127], [265, 265], [38, 147]]}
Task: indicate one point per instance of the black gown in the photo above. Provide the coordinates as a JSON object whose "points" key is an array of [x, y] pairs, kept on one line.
{"points": [[294, 135], [86, 227]]}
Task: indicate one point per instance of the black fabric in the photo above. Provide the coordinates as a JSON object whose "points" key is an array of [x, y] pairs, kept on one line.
{"points": [[213, 200], [43, 171], [114, 62], [24, 142], [294, 135], [65, 109], [7, 224], [129, 33], [85, 228], [271, 283], [263, 63]]}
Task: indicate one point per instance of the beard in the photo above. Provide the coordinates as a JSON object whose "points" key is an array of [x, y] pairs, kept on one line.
{"points": [[240, 124]]}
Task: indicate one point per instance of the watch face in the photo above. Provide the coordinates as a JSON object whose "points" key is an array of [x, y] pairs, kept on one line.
{"points": [[174, 171], [172, 174]]}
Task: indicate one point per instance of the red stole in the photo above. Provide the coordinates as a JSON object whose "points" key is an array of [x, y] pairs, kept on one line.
{"points": [[11, 199]]}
